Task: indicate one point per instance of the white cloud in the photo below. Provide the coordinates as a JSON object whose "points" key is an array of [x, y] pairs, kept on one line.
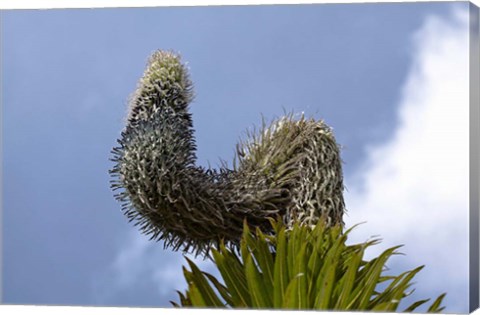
{"points": [[144, 263], [413, 190]]}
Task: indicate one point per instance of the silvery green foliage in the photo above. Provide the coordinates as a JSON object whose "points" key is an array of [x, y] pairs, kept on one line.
{"points": [[290, 169]]}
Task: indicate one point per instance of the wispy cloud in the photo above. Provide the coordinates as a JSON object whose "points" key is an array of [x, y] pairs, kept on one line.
{"points": [[143, 265], [413, 189]]}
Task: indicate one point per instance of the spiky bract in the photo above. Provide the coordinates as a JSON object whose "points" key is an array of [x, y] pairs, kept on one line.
{"points": [[290, 169]]}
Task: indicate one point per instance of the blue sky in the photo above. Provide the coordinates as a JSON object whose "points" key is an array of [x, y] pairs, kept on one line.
{"points": [[66, 77]]}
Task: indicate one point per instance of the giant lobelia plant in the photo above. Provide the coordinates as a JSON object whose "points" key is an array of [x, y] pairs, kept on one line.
{"points": [[286, 181]]}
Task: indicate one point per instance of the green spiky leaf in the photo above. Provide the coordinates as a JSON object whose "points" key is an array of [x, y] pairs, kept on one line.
{"points": [[302, 268]]}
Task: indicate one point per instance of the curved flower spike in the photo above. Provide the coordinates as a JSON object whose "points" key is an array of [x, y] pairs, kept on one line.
{"points": [[290, 169]]}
